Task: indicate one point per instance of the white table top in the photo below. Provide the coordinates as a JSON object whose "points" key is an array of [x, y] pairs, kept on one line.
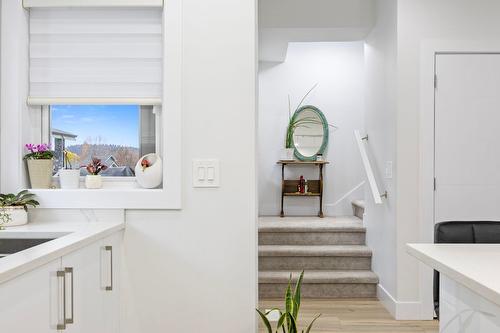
{"points": [[476, 266], [70, 237]]}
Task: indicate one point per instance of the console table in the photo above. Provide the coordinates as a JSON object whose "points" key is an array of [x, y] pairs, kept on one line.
{"points": [[315, 186]]}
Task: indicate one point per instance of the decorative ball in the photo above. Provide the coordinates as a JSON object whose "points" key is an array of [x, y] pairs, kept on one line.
{"points": [[149, 171]]}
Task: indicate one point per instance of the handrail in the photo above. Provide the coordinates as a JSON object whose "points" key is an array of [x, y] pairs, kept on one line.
{"points": [[377, 197]]}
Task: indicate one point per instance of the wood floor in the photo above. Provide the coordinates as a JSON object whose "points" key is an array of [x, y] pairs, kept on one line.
{"points": [[351, 316]]}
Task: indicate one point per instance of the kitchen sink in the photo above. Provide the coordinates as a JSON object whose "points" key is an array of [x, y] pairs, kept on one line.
{"points": [[13, 245]]}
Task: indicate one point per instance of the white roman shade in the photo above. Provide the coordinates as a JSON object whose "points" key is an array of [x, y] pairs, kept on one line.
{"points": [[92, 3], [95, 55]]}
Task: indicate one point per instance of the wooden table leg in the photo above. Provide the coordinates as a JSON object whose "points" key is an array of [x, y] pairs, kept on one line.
{"points": [[320, 190], [282, 214]]}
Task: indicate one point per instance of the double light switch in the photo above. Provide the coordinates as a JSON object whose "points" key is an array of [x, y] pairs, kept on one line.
{"points": [[205, 173]]}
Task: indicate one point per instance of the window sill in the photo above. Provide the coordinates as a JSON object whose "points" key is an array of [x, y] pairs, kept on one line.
{"points": [[106, 198]]}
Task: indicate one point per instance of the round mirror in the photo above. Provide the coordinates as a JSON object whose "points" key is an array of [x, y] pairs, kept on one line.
{"points": [[310, 136]]}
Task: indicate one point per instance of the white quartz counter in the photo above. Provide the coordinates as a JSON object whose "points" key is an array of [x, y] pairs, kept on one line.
{"points": [[475, 266], [69, 236]]}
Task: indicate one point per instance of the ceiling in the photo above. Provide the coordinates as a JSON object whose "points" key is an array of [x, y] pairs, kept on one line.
{"points": [[285, 21]]}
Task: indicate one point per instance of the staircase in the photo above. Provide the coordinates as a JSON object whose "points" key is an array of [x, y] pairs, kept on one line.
{"points": [[331, 250]]}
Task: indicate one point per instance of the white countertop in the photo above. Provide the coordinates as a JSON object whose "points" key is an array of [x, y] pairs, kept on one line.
{"points": [[476, 266], [70, 237]]}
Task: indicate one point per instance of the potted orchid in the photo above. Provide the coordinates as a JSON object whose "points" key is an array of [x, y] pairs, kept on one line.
{"points": [[69, 178], [40, 160], [94, 180]]}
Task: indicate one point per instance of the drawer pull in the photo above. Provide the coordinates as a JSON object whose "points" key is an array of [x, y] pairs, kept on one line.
{"points": [[61, 277], [110, 250], [67, 271]]}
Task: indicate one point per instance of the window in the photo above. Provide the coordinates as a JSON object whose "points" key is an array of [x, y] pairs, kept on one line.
{"points": [[117, 134]]}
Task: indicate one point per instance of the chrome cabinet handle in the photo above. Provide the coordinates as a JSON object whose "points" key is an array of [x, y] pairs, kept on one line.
{"points": [[70, 320], [61, 276], [110, 250]]}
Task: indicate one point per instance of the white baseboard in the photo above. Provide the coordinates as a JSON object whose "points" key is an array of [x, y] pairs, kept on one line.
{"points": [[399, 310]]}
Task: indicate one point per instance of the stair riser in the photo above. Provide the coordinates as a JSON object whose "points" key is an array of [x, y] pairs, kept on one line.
{"points": [[311, 238], [313, 263], [359, 211], [334, 290]]}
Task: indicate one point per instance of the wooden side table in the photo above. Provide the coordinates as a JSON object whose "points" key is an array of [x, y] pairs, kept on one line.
{"points": [[315, 186]]}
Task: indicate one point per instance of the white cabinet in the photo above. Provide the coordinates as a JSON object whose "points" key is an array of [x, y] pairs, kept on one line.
{"points": [[31, 302], [79, 291], [92, 297]]}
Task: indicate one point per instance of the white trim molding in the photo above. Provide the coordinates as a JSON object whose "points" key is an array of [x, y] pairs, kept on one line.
{"points": [[400, 310]]}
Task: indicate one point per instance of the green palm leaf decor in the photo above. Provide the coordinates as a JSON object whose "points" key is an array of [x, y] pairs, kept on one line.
{"points": [[288, 320]]}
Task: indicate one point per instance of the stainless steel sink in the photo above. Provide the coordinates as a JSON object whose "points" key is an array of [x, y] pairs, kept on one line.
{"points": [[13, 245]]}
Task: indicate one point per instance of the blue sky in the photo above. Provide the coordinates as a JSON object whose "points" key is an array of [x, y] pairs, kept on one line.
{"points": [[115, 124]]}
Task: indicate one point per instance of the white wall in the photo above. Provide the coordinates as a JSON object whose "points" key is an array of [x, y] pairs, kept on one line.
{"points": [[338, 68], [284, 21], [380, 122], [194, 270], [420, 22]]}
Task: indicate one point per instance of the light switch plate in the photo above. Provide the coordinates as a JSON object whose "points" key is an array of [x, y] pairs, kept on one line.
{"points": [[388, 169], [206, 173]]}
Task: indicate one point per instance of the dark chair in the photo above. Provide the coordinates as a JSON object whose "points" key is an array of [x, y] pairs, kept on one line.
{"points": [[463, 232]]}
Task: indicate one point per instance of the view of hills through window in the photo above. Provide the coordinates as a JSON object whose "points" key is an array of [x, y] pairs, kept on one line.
{"points": [[108, 132]]}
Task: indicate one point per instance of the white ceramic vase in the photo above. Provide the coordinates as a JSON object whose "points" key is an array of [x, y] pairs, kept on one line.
{"points": [[69, 178], [18, 216], [287, 154], [93, 181], [40, 172], [152, 176]]}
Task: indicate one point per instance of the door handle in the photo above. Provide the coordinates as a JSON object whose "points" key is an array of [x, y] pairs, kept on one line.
{"points": [[109, 249], [61, 277], [67, 271]]}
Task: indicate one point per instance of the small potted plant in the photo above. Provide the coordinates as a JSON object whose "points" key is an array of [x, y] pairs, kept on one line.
{"points": [[14, 208], [94, 180], [40, 160], [289, 317], [149, 171], [293, 123], [69, 178]]}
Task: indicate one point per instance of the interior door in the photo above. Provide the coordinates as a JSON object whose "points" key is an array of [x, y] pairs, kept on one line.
{"points": [[467, 137]]}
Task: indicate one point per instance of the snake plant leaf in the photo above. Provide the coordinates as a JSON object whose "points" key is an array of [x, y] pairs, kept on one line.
{"points": [[311, 324], [289, 301], [293, 324], [265, 321], [297, 295], [281, 321]]}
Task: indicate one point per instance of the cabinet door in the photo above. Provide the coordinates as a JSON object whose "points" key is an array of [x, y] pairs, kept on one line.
{"points": [[84, 303], [33, 301], [111, 257], [92, 287]]}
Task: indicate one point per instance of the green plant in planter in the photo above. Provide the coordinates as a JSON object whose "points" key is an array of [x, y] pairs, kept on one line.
{"points": [[23, 199], [287, 321], [294, 122]]}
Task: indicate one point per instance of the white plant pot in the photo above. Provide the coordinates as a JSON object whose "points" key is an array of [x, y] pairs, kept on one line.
{"points": [[18, 216], [93, 181], [69, 179], [287, 154], [40, 172], [152, 176]]}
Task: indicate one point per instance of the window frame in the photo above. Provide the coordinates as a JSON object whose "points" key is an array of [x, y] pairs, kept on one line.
{"points": [[21, 123], [46, 130]]}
